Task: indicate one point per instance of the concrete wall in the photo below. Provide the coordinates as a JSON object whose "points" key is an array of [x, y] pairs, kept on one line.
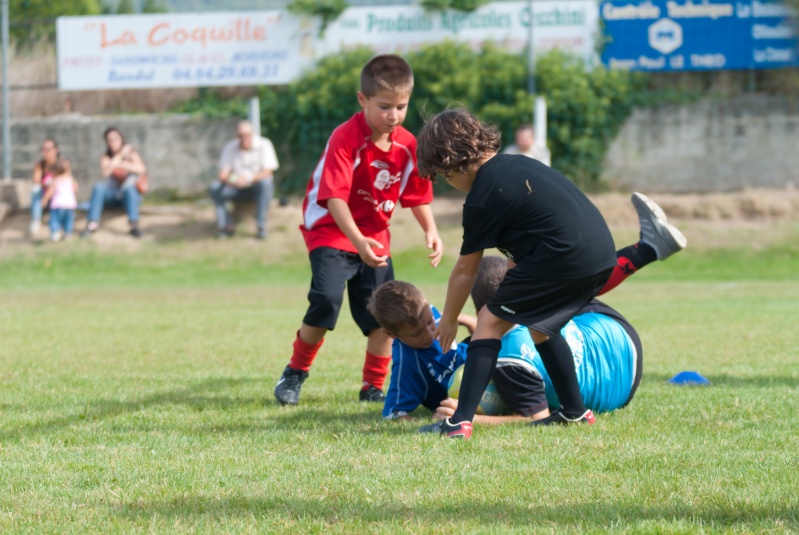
{"points": [[711, 145], [180, 151]]}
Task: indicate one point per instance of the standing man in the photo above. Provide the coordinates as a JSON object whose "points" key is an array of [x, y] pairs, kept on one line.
{"points": [[246, 170], [525, 144]]}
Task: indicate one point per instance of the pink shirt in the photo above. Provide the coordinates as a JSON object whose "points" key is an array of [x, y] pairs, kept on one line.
{"points": [[63, 193]]}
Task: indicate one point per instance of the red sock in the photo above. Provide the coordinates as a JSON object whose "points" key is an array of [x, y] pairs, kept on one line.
{"points": [[304, 354], [624, 268], [375, 369]]}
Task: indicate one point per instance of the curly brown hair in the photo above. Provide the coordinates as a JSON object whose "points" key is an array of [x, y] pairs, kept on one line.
{"points": [[386, 72], [396, 304], [454, 140]]}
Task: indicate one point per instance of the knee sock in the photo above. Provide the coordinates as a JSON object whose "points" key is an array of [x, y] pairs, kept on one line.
{"points": [[559, 362], [375, 369], [481, 359], [628, 261], [304, 354]]}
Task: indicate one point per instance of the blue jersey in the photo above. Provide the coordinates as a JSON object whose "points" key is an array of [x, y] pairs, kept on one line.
{"points": [[420, 376]]}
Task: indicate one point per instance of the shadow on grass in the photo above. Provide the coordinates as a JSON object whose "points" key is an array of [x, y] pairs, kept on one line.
{"points": [[316, 413], [735, 381], [333, 511], [199, 397]]}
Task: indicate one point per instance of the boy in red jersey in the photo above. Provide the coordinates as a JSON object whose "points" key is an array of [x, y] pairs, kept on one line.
{"points": [[368, 166]]}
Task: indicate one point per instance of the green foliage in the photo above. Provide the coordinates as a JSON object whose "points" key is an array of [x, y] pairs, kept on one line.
{"points": [[125, 7], [213, 105], [153, 6], [327, 10], [33, 20], [457, 5], [586, 108]]}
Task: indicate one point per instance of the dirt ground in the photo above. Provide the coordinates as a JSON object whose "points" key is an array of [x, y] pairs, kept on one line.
{"points": [[751, 218]]}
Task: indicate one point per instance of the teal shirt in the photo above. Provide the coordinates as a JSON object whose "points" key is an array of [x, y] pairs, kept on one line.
{"points": [[604, 358]]}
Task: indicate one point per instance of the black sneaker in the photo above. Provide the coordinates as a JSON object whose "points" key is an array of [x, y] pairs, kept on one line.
{"points": [[135, 232], [449, 430], [261, 234], [557, 417], [372, 394], [287, 389], [89, 230]]}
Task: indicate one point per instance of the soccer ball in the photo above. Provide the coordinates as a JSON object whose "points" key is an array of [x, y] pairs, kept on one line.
{"points": [[491, 404]]}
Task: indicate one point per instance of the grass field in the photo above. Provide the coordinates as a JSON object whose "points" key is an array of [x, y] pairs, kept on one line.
{"points": [[136, 396]]}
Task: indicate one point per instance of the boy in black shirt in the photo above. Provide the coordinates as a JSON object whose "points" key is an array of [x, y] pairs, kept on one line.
{"points": [[559, 248]]}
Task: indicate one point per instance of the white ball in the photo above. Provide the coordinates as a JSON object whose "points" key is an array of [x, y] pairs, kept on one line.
{"points": [[491, 403]]}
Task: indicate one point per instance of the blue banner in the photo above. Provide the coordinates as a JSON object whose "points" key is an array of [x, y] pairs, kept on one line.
{"points": [[670, 35]]}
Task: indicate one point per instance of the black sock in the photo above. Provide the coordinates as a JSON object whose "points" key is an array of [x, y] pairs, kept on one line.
{"points": [[481, 359], [559, 362], [639, 254]]}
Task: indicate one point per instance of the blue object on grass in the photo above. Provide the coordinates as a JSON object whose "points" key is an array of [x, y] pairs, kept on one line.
{"points": [[689, 378]]}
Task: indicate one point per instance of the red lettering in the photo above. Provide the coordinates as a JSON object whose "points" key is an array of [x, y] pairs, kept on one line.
{"points": [[151, 37]]}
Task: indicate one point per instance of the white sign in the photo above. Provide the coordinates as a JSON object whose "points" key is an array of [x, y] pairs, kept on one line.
{"points": [[165, 50], [274, 47], [566, 24]]}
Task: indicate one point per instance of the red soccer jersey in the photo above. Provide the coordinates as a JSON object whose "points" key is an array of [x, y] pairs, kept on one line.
{"points": [[370, 180]]}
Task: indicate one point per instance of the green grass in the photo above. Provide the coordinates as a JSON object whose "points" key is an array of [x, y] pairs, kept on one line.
{"points": [[136, 396]]}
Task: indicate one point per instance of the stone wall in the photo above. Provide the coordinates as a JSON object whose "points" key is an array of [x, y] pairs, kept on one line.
{"points": [[712, 145], [709, 146], [180, 151]]}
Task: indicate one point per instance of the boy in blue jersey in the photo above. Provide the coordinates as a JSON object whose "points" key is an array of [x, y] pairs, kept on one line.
{"points": [[606, 349]]}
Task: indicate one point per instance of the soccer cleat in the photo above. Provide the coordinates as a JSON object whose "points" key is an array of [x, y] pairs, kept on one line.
{"points": [[656, 232], [449, 430], [372, 394], [557, 417], [287, 389]]}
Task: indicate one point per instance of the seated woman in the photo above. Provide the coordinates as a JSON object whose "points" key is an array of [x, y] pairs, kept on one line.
{"points": [[42, 178], [125, 173]]}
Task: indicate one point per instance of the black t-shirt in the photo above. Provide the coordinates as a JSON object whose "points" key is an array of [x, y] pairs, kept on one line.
{"points": [[536, 216]]}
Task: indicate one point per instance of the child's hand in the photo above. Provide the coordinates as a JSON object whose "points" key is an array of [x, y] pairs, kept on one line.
{"points": [[368, 255], [446, 332], [446, 409], [434, 242]]}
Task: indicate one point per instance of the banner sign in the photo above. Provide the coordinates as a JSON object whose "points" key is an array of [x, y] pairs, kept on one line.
{"points": [[274, 47], [565, 24], [166, 50], [670, 35]]}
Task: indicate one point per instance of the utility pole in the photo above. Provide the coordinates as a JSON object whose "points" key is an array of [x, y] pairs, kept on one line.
{"points": [[6, 125]]}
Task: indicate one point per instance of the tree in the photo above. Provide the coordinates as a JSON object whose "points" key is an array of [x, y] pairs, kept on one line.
{"points": [[153, 6], [34, 20]]}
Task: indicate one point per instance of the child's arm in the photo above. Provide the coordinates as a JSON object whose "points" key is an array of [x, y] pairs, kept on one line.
{"points": [[470, 322], [74, 184], [343, 217], [48, 194], [424, 215], [448, 406], [460, 284]]}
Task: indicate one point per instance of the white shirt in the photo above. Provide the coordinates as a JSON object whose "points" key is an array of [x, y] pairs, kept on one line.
{"points": [[238, 161], [538, 153]]}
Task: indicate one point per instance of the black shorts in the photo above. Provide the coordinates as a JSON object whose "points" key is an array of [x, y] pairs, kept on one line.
{"points": [[521, 387], [541, 304], [332, 270]]}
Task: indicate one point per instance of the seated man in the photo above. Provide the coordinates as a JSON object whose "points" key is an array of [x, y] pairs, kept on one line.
{"points": [[245, 173], [607, 350], [525, 144]]}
